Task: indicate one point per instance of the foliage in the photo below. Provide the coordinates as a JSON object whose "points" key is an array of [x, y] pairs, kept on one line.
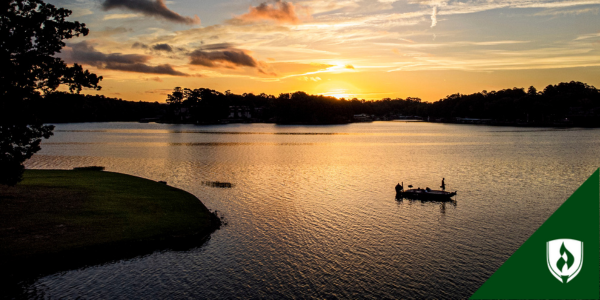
{"points": [[31, 33], [24, 142], [207, 106], [576, 101], [62, 107]]}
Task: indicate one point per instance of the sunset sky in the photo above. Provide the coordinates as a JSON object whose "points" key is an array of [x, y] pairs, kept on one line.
{"points": [[369, 49]]}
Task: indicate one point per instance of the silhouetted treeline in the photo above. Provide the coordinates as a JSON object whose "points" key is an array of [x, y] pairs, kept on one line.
{"points": [[569, 103], [206, 106], [61, 107], [564, 104]]}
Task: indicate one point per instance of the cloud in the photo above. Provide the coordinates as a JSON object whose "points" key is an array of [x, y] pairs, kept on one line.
{"points": [[162, 47], [306, 78], [154, 8], [85, 53], [110, 31], [588, 36], [229, 57], [280, 12], [119, 16], [349, 67], [558, 12], [159, 91], [434, 16], [143, 68], [435, 5], [494, 60], [218, 46], [224, 55], [451, 44], [139, 45]]}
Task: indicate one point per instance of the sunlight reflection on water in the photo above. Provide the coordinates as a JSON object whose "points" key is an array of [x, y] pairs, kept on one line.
{"points": [[311, 210]]}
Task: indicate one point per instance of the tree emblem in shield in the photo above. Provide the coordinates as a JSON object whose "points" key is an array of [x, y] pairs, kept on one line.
{"points": [[564, 258]]}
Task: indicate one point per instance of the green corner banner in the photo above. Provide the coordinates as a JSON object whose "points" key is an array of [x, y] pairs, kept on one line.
{"points": [[560, 260]]}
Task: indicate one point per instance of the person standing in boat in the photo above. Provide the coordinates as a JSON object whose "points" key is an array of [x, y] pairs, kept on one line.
{"points": [[443, 186], [399, 187]]}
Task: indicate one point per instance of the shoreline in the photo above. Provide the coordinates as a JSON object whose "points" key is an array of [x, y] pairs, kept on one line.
{"points": [[60, 220], [477, 123]]}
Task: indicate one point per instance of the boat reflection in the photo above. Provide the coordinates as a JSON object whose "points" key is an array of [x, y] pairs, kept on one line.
{"points": [[442, 202]]}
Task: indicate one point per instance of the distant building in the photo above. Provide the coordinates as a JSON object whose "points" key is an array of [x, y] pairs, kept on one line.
{"points": [[473, 121], [182, 113], [362, 118], [239, 112]]}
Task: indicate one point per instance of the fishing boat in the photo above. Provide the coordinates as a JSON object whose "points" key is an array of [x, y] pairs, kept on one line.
{"points": [[426, 194]]}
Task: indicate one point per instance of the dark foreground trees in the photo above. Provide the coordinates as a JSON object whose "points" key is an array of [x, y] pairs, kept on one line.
{"points": [[31, 33]]}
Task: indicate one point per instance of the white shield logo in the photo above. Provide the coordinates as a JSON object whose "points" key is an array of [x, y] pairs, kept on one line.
{"points": [[564, 258]]}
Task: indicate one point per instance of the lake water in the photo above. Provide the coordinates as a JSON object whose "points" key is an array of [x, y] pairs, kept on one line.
{"points": [[312, 212]]}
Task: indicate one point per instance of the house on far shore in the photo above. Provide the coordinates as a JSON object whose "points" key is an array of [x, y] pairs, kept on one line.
{"points": [[473, 121], [362, 118], [239, 112], [182, 114]]}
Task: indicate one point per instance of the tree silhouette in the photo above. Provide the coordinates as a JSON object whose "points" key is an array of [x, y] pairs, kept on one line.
{"points": [[31, 33]]}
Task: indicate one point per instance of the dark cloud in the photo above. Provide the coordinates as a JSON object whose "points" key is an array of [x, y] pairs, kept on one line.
{"points": [[280, 12], [157, 47], [219, 46], [162, 47], [222, 58], [155, 8], [159, 91], [224, 55], [85, 53], [139, 45], [143, 68]]}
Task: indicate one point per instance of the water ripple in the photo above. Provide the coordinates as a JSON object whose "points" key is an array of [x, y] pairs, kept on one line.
{"points": [[313, 214]]}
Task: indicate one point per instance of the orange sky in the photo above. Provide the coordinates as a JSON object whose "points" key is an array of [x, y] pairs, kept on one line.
{"points": [[369, 49]]}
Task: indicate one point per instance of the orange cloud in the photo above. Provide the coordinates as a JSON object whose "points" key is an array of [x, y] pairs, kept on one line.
{"points": [[280, 12]]}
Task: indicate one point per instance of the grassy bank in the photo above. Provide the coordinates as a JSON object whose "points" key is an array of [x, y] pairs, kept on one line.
{"points": [[57, 218]]}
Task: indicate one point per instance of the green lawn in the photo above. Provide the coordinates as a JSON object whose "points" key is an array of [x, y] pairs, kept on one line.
{"points": [[54, 211]]}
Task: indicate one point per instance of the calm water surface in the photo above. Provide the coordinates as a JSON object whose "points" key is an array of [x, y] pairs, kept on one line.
{"points": [[312, 212]]}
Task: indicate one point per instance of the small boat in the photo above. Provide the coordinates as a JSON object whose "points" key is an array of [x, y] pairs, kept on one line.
{"points": [[217, 184], [427, 194]]}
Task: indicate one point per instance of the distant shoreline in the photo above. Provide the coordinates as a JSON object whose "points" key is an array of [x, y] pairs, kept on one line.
{"points": [[58, 220], [567, 104], [484, 123]]}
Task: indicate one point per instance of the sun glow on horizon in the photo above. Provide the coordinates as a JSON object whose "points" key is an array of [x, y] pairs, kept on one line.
{"points": [[337, 89], [339, 93]]}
